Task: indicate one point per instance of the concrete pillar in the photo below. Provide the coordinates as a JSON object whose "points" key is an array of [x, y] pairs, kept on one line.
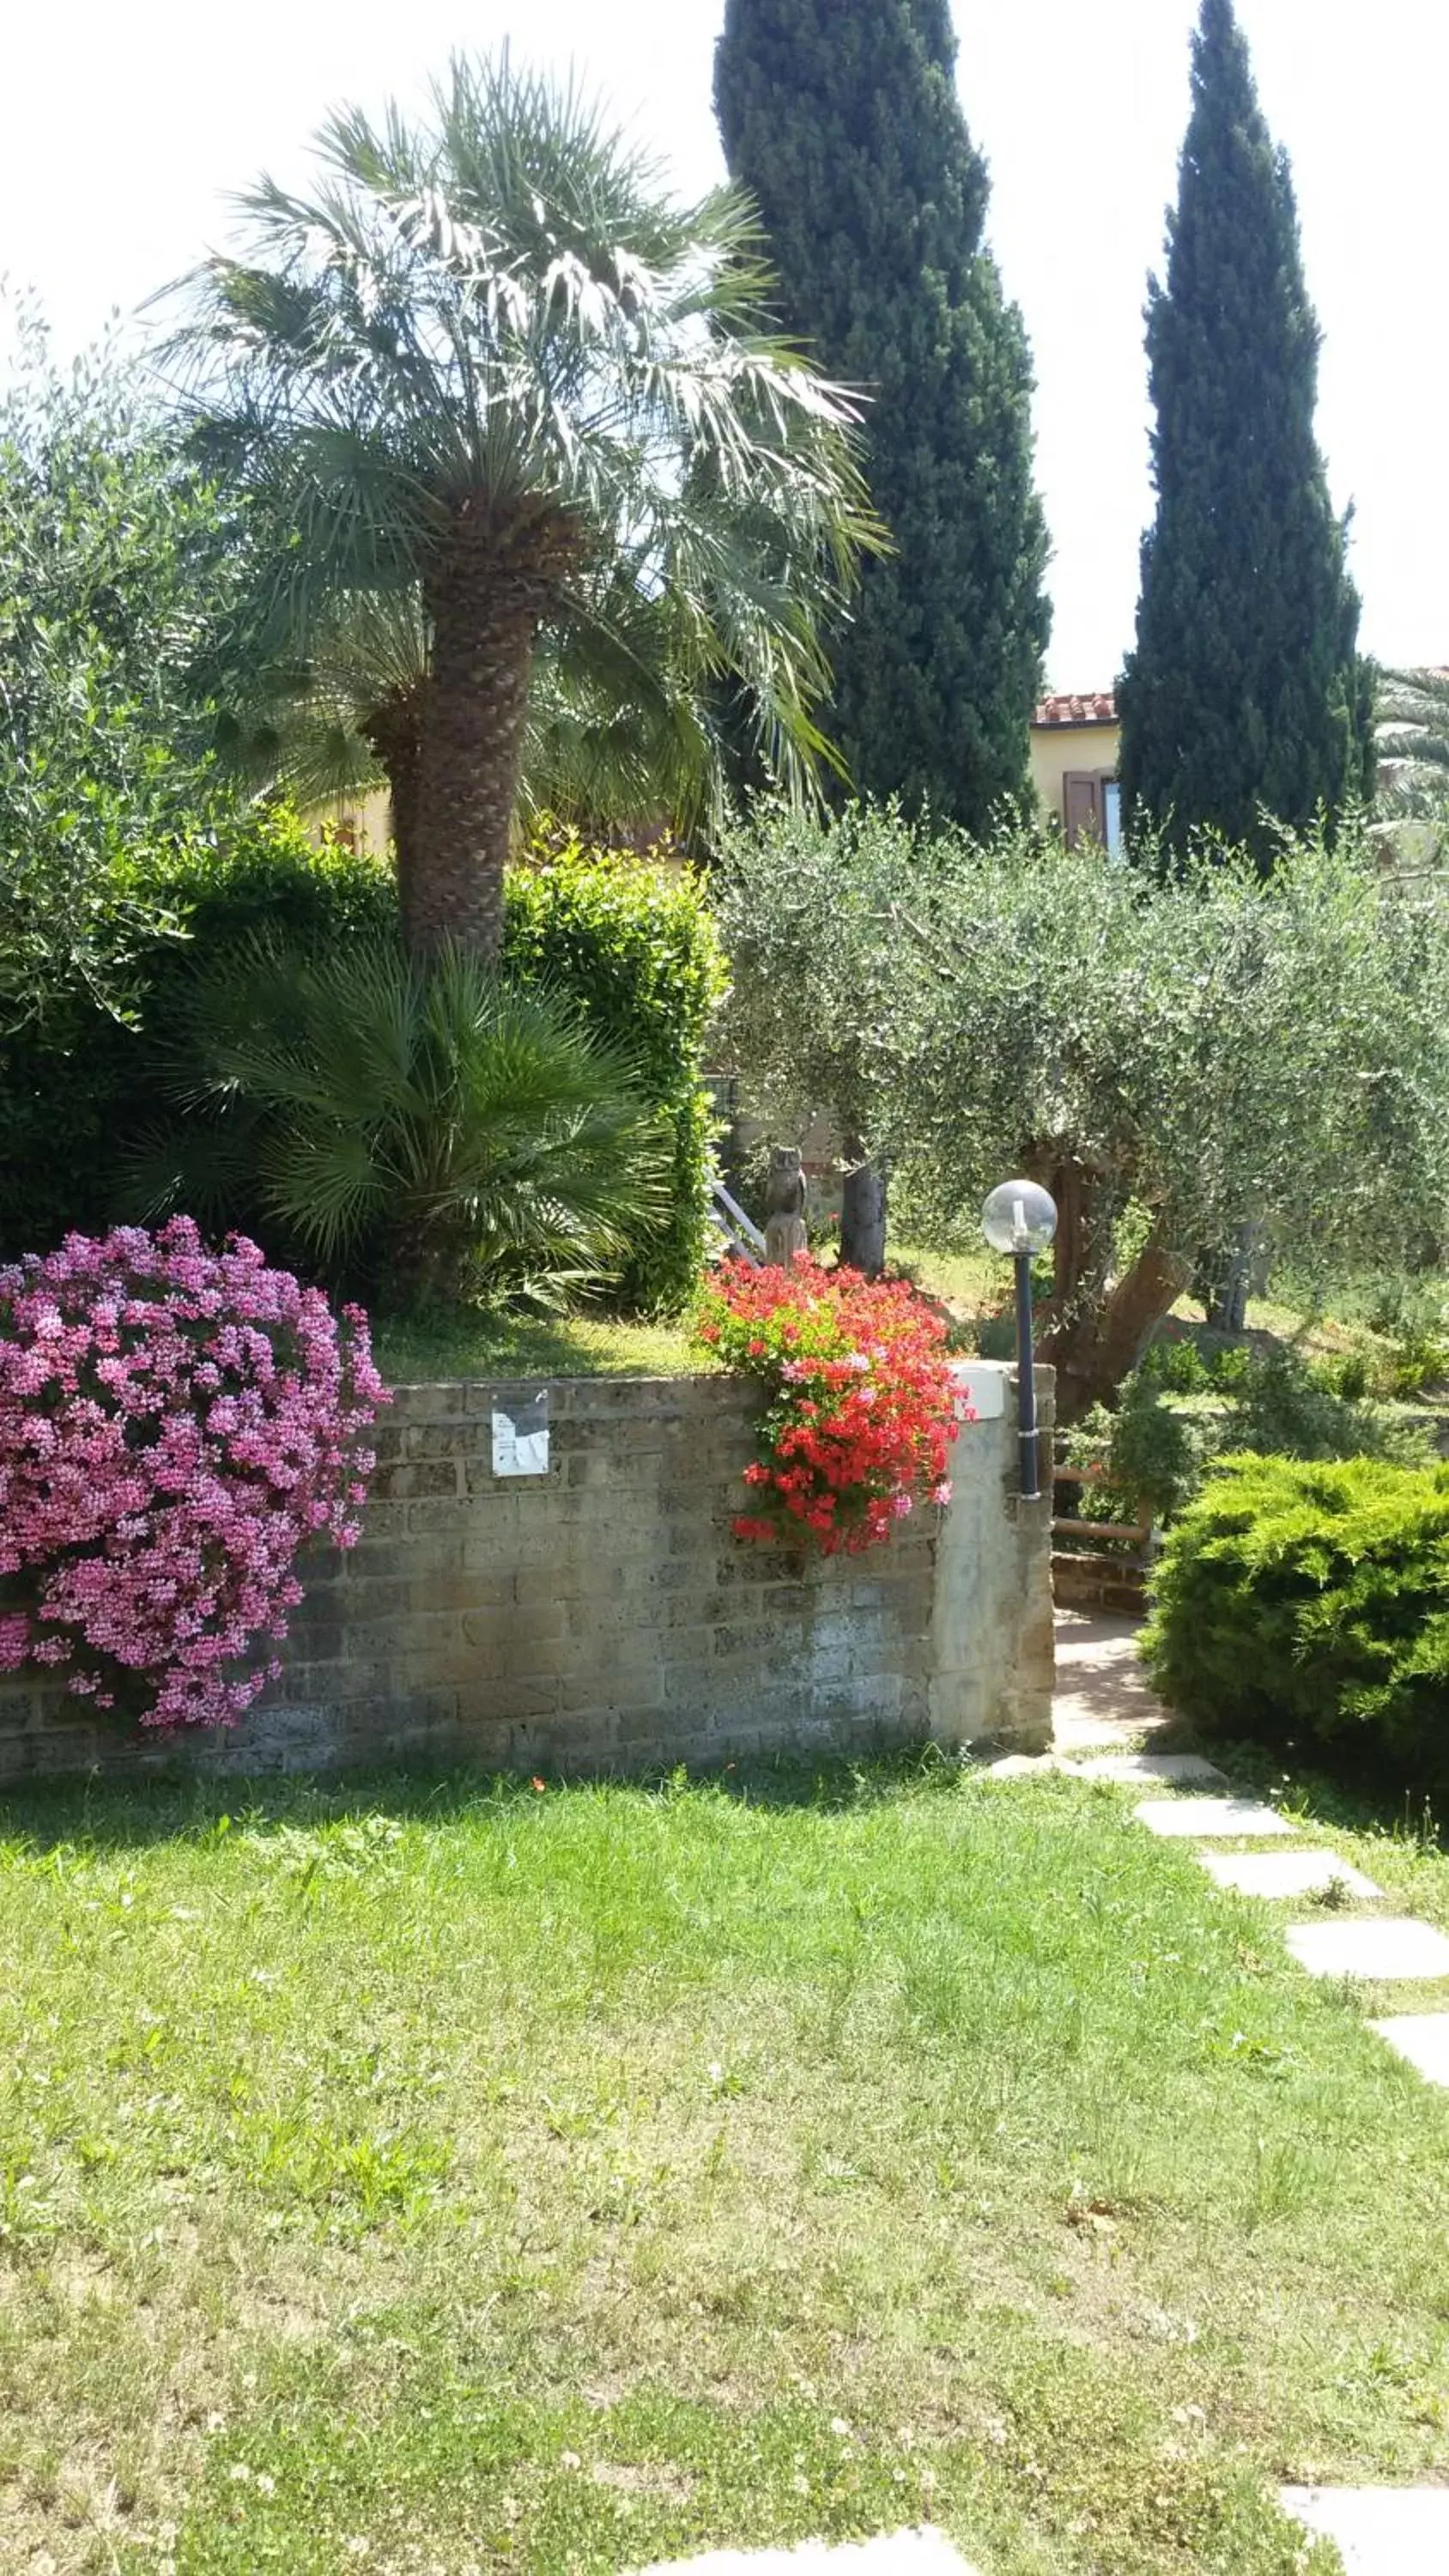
{"points": [[992, 1626]]}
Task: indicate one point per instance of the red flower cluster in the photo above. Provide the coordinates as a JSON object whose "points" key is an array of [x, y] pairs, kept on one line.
{"points": [[864, 1406]]}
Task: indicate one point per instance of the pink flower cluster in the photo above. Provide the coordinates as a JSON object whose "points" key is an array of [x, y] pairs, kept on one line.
{"points": [[175, 1424]]}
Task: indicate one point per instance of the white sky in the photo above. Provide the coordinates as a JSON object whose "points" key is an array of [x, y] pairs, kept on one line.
{"points": [[128, 121]]}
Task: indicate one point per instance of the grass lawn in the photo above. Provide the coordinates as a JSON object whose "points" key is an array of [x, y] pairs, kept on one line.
{"points": [[482, 1346], [446, 2177]]}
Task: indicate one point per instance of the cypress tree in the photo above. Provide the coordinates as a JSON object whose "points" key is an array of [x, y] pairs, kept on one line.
{"points": [[841, 118], [1245, 694]]}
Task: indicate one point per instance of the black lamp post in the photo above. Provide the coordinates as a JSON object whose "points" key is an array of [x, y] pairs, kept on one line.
{"points": [[1020, 1218]]}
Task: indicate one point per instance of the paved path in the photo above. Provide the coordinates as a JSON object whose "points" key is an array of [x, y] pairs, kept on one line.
{"points": [[898, 2553], [1105, 1717]]}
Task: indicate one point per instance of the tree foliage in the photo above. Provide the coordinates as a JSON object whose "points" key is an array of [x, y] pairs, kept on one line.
{"points": [[1170, 1055], [109, 578], [1245, 698], [841, 117], [631, 949], [488, 374]]}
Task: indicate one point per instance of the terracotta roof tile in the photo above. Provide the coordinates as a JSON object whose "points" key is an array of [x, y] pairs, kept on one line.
{"points": [[1096, 707]]}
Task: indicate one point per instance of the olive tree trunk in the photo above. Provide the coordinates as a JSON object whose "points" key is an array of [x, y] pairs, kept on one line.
{"points": [[1093, 1349], [863, 1215], [1227, 1303], [1096, 1327]]}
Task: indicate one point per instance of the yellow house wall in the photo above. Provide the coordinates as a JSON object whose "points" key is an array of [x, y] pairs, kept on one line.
{"points": [[368, 817], [1057, 748]]}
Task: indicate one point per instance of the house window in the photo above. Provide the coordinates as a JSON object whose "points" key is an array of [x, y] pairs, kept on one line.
{"points": [[1092, 808]]}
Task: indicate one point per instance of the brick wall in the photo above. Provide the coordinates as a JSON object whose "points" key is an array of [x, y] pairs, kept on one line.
{"points": [[603, 1617]]}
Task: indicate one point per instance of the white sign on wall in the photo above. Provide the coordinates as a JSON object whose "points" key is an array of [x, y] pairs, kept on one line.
{"points": [[520, 1436], [982, 1392]]}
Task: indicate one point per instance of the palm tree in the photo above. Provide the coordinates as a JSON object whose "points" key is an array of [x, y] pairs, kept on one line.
{"points": [[616, 735], [487, 369], [1412, 739]]}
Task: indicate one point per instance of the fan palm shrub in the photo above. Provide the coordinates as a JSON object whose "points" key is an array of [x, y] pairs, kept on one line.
{"points": [[485, 368], [425, 1120]]}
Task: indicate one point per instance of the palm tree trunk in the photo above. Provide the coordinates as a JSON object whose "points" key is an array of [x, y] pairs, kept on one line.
{"points": [[484, 615], [394, 732]]}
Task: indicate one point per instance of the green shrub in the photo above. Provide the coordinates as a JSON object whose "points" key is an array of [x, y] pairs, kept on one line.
{"points": [[1182, 1407], [72, 1089], [1175, 1362], [632, 946], [1419, 1361], [1310, 1600], [1349, 1375], [1296, 1408], [1157, 1451], [635, 946]]}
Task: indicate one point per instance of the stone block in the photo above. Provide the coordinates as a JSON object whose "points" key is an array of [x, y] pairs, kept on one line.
{"points": [[1378, 2531], [1176, 1818], [604, 1660], [427, 1400], [381, 1521], [1374, 1948], [414, 1477], [1170, 1770], [498, 1701], [1423, 2038], [457, 1437], [1280, 1874]]}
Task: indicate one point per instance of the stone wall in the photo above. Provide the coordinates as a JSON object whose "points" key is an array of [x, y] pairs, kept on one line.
{"points": [[601, 1616]]}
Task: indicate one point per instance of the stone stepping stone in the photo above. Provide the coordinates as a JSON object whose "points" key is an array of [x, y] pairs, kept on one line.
{"points": [[1424, 2039], [1391, 1946], [898, 2553], [1169, 1768], [1380, 2531], [1079, 1735], [1211, 1817], [1285, 1873]]}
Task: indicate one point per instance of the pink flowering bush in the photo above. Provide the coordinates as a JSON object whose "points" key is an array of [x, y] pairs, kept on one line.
{"points": [[175, 1424]]}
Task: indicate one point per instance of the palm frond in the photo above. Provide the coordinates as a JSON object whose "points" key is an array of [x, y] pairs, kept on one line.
{"points": [[504, 307]]}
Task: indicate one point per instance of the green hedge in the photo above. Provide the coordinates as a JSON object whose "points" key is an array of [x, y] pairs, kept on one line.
{"points": [[74, 1089], [1310, 1601], [634, 945]]}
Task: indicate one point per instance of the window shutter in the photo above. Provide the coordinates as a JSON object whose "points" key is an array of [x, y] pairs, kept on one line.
{"points": [[1082, 804]]}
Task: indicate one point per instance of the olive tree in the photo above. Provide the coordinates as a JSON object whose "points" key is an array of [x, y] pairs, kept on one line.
{"points": [[111, 568], [1166, 1052]]}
